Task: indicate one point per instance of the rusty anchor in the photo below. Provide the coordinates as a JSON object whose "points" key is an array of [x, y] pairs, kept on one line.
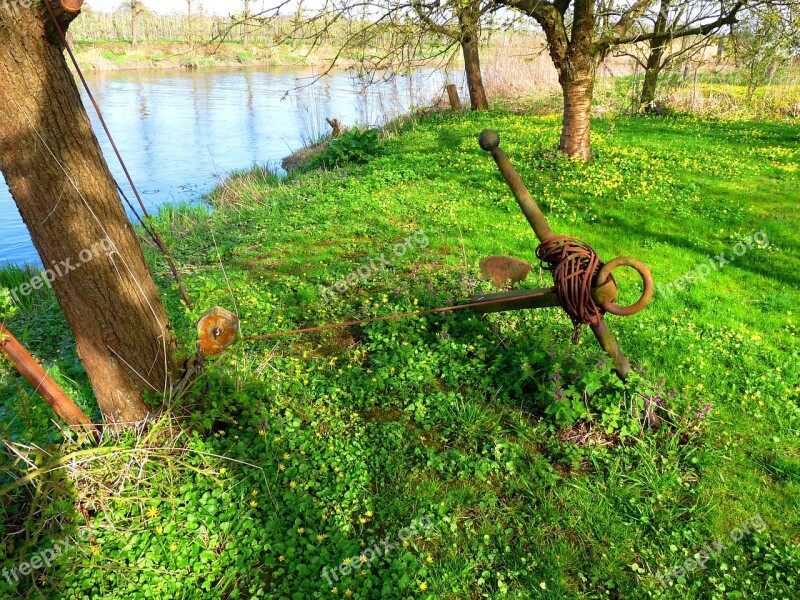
{"points": [[584, 286]]}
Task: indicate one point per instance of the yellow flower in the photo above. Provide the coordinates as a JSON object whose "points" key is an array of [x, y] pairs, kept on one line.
{"points": [[347, 561], [348, 593], [281, 558], [335, 590], [321, 537], [253, 504], [159, 530], [262, 432], [406, 543], [287, 456], [173, 547], [281, 468], [423, 586], [301, 530], [95, 550], [429, 559], [363, 558], [152, 512], [292, 485], [369, 513], [254, 493], [223, 470], [362, 520]]}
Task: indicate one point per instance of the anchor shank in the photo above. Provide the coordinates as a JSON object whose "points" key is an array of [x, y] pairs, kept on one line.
{"points": [[490, 142]]}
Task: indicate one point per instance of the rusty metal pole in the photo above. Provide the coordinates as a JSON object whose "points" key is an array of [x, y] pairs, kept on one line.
{"points": [[44, 385], [490, 142]]}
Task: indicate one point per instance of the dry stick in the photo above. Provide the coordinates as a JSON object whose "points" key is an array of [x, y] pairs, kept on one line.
{"points": [[44, 385], [75, 6]]}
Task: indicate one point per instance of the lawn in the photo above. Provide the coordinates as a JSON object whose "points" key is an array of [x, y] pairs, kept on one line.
{"points": [[452, 456]]}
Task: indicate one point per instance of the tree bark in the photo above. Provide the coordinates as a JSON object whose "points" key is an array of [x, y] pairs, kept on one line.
{"points": [[67, 197], [576, 128], [472, 66], [576, 74]]}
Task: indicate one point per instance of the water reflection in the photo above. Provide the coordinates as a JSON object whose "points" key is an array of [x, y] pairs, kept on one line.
{"points": [[180, 130]]}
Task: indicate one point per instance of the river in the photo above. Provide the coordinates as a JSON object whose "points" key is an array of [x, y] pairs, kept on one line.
{"points": [[180, 131]]}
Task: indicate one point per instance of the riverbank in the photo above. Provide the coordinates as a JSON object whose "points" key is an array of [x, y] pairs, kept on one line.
{"points": [[516, 446], [166, 55]]}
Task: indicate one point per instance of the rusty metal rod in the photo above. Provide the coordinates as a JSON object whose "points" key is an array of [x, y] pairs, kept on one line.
{"points": [[44, 385]]}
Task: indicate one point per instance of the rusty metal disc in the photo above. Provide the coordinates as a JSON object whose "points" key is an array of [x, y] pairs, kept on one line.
{"points": [[217, 330]]}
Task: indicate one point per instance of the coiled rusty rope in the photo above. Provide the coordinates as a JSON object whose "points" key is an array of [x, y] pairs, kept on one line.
{"points": [[574, 264]]}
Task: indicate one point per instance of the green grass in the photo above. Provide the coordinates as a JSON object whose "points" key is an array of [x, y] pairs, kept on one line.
{"points": [[333, 440]]}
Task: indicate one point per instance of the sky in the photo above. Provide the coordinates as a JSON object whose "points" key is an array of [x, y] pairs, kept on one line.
{"points": [[217, 7]]}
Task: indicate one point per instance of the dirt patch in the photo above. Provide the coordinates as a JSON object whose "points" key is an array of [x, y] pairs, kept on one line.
{"points": [[295, 161]]}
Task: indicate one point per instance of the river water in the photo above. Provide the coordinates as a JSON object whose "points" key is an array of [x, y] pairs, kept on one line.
{"points": [[180, 131]]}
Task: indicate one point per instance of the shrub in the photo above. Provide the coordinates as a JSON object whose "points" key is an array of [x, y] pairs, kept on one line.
{"points": [[357, 146]]}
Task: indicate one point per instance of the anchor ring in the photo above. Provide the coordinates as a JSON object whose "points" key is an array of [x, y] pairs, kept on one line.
{"points": [[647, 279]]}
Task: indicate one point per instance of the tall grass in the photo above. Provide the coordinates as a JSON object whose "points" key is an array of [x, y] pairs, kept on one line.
{"points": [[12, 277], [511, 69], [245, 187]]}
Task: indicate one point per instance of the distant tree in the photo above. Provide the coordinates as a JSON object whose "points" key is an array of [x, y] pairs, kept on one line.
{"points": [[246, 24], [765, 37], [401, 35], [663, 48], [460, 21], [581, 33], [298, 20], [191, 9], [137, 8], [62, 186]]}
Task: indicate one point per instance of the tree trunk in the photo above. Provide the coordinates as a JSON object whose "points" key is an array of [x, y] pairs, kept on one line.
{"points": [[135, 27], [576, 128], [472, 66], [651, 74], [67, 197], [658, 46], [576, 74], [246, 25]]}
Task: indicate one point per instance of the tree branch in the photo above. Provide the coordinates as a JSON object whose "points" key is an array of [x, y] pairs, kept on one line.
{"points": [[727, 19], [431, 24]]}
